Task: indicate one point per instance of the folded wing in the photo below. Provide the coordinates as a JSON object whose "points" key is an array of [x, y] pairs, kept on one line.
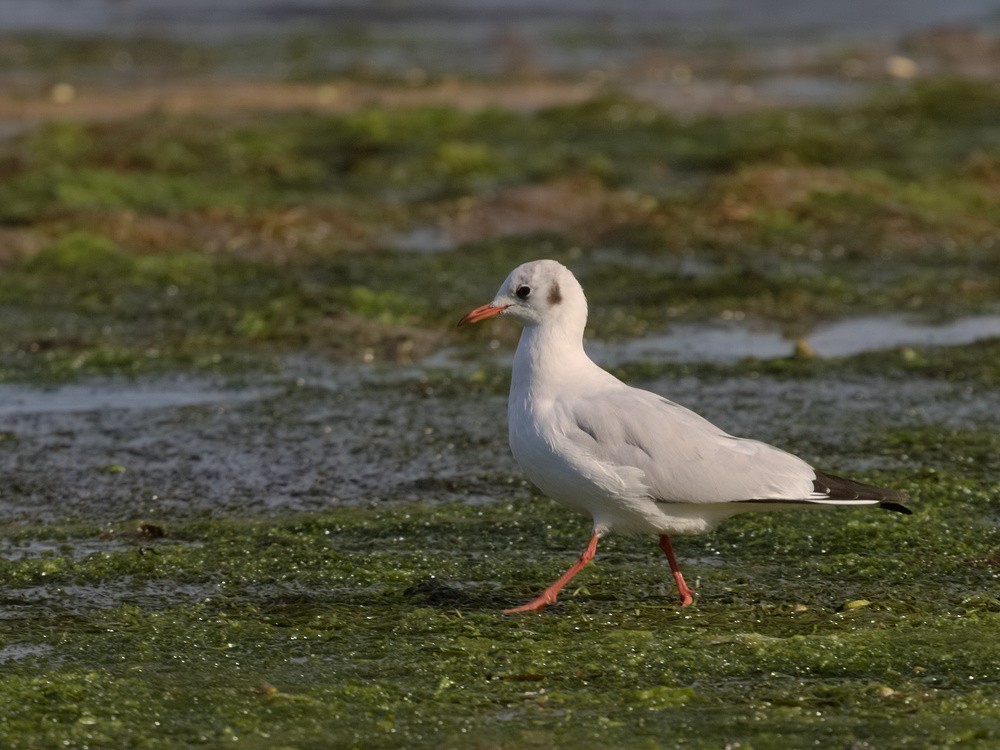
{"points": [[683, 458]]}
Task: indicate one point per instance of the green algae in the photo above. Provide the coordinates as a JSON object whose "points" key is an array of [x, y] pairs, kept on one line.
{"points": [[977, 452], [430, 152], [177, 240], [107, 309], [382, 627]]}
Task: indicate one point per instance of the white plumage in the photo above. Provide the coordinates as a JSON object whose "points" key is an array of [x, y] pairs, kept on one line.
{"points": [[632, 460]]}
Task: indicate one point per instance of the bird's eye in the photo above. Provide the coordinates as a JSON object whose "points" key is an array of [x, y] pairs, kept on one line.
{"points": [[523, 292]]}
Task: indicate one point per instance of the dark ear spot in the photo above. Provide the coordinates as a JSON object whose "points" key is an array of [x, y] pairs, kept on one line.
{"points": [[555, 295]]}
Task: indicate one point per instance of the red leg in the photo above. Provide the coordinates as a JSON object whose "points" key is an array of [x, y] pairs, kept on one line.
{"points": [[548, 596], [687, 595]]}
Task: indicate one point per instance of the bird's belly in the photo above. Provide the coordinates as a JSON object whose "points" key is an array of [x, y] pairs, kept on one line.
{"points": [[550, 471], [613, 496], [616, 497]]}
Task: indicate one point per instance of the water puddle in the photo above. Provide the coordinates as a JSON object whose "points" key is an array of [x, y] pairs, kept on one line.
{"points": [[22, 399], [79, 549], [849, 337], [16, 651], [76, 549], [82, 599], [731, 343]]}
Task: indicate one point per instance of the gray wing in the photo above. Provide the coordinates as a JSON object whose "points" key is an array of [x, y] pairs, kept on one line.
{"points": [[679, 456]]}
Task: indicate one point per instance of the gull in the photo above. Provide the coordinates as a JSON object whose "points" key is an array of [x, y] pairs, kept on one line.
{"points": [[633, 461]]}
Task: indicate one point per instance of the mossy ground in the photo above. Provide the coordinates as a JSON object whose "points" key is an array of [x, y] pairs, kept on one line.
{"points": [[381, 628], [220, 612], [211, 620], [182, 241]]}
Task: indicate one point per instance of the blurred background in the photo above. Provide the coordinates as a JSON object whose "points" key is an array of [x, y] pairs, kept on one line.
{"points": [[349, 177]]}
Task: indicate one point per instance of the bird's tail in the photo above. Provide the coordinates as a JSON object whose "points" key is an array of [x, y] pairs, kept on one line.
{"points": [[829, 489]]}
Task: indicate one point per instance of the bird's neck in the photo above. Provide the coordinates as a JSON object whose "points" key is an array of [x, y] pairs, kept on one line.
{"points": [[547, 358]]}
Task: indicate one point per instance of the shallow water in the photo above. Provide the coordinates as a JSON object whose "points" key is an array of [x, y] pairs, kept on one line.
{"points": [[854, 336], [16, 651], [70, 599], [68, 399], [734, 341], [46, 548]]}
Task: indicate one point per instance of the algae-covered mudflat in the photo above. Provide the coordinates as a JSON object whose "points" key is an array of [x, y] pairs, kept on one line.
{"points": [[256, 488], [323, 563]]}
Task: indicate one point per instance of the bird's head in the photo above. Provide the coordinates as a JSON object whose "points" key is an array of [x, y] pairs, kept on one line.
{"points": [[537, 293]]}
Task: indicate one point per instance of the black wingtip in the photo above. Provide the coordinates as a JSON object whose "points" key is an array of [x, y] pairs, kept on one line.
{"points": [[842, 488], [896, 507]]}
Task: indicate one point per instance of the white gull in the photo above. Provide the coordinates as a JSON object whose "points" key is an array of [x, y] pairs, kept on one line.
{"points": [[630, 459]]}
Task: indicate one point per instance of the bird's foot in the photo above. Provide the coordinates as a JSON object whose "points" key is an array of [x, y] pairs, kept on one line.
{"points": [[686, 598], [534, 605], [548, 596]]}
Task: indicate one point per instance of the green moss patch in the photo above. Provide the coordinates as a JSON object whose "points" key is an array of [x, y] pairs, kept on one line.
{"points": [[382, 627], [183, 240]]}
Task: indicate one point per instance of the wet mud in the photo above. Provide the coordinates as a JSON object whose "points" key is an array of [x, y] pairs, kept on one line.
{"points": [[318, 436]]}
